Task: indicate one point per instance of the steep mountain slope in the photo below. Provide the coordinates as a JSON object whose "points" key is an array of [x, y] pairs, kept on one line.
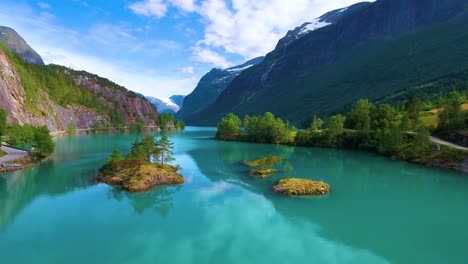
{"points": [[10, 38], [210, 86], [178, 100], [170, 105], [367, 50], [56, 96]]}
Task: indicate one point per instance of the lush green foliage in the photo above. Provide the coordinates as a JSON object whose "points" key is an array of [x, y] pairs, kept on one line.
{"points": [[35, 136], [71, 130], [44, 144], [17, 134], [3, 122], [229, 127], [391, 131], [165, 147], [148, 149], [168, 122]]}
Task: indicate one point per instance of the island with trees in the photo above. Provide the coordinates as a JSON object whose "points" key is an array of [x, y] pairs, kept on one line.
{"points": [[398, 131], [146, 166]]}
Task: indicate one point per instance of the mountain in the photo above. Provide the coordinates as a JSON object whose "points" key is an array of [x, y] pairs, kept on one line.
{"points": [[57, 96], [14, 41], [368, 50], [209, 88], [169, 105], [178, 100]]}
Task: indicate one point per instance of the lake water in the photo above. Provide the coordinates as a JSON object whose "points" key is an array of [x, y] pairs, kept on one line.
{"points": [[379, 210]]}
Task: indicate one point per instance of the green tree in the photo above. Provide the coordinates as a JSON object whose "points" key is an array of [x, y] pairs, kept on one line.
{"points": [[150, 147], [166, 121], [229, 127], [316, 125], [3, 123], [360, 117], [115, 157], [137, 152], [335, 128], [452, 117], [165, 147], [45, 145], [71, 130], [413, 107]]}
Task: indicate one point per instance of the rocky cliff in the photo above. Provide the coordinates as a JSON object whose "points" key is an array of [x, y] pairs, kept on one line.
{"points": [[56, 96]]}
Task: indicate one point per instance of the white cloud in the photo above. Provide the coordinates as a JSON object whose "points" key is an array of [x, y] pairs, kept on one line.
{"points": [[149, 8], [244, 27], [60, 45], [44, 5], [184, 5], [187, 70], [205, 55]]}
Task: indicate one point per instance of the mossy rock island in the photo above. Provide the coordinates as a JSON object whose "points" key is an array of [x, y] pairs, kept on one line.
{"points": [[301, 187], [263, 173], [145, 167], [262, 162], [135, 176]]}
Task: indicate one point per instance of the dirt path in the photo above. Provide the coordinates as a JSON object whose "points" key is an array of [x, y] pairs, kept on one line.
{"points": [[12, 154], [448, 144]]}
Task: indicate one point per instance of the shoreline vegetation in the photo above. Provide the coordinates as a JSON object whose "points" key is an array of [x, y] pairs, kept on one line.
{"points": [[145, 167], [399, 132]]}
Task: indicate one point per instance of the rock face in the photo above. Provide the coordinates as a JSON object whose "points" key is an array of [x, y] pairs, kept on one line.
{"points": [[293, 186], [56, 117], [14, 41], [210, 87], [324, 66]]}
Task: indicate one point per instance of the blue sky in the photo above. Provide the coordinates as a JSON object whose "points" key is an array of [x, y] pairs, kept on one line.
{"points": [[157, 47]]}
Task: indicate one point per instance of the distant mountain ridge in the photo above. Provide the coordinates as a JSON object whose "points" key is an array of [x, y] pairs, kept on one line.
{"points": [[367, 50], [14, 41], [210, 86]]}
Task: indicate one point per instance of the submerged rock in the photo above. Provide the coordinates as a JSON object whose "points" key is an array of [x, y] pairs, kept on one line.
{"points": [[263, 173], [294, 186]]}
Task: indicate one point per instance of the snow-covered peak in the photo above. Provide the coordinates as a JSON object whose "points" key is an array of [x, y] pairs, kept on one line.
{"points": [[169, 102], [240, 69], [311, 26]]}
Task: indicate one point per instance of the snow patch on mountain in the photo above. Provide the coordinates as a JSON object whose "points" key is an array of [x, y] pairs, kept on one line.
{"points": [[311, 26]]}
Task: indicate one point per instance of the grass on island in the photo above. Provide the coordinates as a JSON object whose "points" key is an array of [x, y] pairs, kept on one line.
{"points": [[263, 173], [294, 186], [262, 162], [2, 153], [135, 176]]}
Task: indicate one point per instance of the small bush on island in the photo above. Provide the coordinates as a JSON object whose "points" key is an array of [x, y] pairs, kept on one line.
{"points": [[262, 162], [294, 186], [138, 171]]}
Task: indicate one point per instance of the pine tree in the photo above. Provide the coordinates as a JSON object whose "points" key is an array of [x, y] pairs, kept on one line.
{"points": [[165, 147]]}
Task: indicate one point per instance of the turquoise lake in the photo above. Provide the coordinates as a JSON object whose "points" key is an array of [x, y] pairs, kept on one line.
{"points": [[379, 210]]}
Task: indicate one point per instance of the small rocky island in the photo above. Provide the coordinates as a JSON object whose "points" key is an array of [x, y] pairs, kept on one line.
{"points": [[261, 166], [145, 167], [300, 187]]}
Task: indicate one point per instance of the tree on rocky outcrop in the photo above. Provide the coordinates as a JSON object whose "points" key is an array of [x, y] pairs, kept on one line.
{"points": [[165, 147]]}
